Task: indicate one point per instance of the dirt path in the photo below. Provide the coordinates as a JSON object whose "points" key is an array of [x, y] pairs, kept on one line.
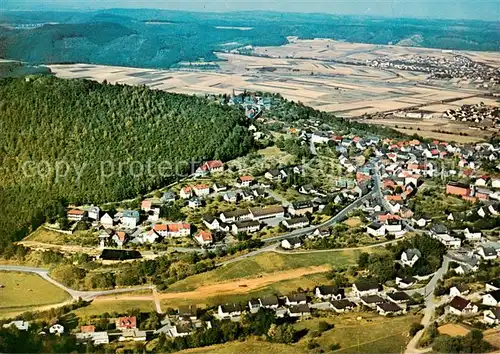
{"points": [[238, 286]]}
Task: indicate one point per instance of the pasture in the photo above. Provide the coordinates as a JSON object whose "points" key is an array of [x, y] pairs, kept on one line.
{"points": [[23, 292]]}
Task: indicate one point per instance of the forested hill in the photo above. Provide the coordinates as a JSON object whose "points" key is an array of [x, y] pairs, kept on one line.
{"points": [[109, 142]]}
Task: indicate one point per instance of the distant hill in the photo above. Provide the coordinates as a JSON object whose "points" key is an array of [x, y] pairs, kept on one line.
{"points": [[160, 39]]}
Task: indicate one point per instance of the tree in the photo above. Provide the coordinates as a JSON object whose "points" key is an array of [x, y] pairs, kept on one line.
{"points": [[69, 275], [414, 328], [284, 333], [363, 259]]}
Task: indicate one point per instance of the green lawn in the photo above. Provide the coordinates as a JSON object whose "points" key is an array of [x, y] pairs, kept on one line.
{"points": [[266, 263], [120, 307], [250, 346], [371, 334], [22, 292]]}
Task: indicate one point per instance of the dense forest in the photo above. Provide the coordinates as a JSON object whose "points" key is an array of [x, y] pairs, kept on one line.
{"points": [[77, 141], [160, 39]]}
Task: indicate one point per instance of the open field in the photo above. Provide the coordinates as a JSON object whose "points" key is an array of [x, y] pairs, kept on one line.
{"points": [[269, 273], [372, 334], [492, 336], [44, 235], [279, 288], [453, 330], [251, 346], [266, 263], [22, 292], [313, 72], [100, 307], [433, 128]]}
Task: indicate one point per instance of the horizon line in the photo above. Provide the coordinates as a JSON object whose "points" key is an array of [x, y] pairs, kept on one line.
{"points": [[80, 9]]}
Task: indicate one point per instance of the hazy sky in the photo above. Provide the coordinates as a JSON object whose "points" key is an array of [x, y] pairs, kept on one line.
{"points": [[457, 9]]}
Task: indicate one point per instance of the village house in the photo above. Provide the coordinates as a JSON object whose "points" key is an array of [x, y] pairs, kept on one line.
{"points": [[301, 310], [276, 175], [97, 338], [276, 211], [204, 238], [471, 235], [389, 308], [228, 311], [460, 189], [375, 229], [211, 222], [341, 306], [371, 300], [120, 238], [493, 285], [127, 322], [492, 316], [211, 166], [56, 329], [76, 214], [249, 226], [20, 325], [201, 190], [254, 305], [291, 243], [329, 292], [404, 283], [296, 223], [107, 220], [181, 330], [301, 208], [246, 196], [230, 217], [244, 181], [219, 187], [492, 298], [399, 297], [296, 299], [146, 205], [132, 335], [168, 197], [130, 219], [230, 196], [179, 229], [460, 289], [269, 302], [94, 212], [187, 313], [194, 203], [307, 189], [186, 192], [410, 256], [364, 287], [487, 253], [462, 307]]}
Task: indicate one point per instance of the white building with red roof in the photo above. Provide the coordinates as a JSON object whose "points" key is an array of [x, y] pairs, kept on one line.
{"points": [[204, 238], [201, 190]]}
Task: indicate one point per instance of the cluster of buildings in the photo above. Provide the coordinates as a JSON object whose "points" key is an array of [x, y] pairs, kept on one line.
{"points": [[455, 67], [475, 113], [462, 304]]}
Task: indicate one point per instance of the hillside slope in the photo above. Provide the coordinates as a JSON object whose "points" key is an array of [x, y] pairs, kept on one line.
{"points": [[80, 141]]}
